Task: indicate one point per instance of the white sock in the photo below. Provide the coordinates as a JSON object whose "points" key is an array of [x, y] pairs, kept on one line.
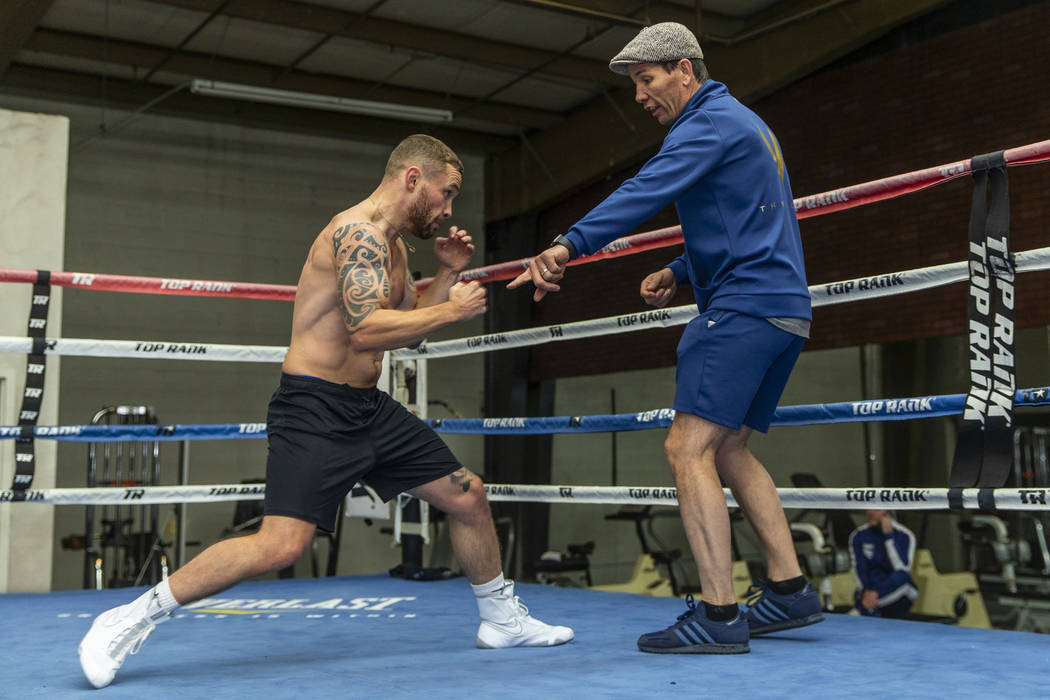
{"points": [[160, 603], [165, 599], [493, 587]]}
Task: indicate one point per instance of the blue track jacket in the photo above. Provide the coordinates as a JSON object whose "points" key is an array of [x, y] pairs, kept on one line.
{"points": [[882, 562], [722, 167]]}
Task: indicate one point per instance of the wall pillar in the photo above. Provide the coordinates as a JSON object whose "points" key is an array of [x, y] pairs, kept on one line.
{"points": [[33, 150]]}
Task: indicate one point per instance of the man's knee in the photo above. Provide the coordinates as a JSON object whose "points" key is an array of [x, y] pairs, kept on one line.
{"points": [[283, 554], [469, 500], [679, 443], [693, 441], [732, 448], [281, 546], [674, 450], [475, 499], [684, 447]]}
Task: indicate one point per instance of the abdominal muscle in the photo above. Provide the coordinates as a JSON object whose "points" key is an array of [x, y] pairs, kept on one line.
{"points": [[317, 353]]}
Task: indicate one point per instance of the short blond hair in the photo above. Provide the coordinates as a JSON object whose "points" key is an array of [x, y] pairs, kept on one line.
{"points": [[424, 151]]}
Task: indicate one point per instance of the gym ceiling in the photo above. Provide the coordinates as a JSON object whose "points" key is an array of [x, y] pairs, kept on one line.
{"points": [[527, 81]]}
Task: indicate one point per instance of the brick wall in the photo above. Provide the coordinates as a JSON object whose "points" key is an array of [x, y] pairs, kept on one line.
{"points": [[925, 95]]}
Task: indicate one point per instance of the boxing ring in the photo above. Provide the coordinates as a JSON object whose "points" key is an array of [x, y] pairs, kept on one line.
{"points": [[376, 636], [382, 637]]}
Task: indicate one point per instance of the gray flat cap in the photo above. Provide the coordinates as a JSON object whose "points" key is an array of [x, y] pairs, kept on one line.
{"points": [[659, 43]]}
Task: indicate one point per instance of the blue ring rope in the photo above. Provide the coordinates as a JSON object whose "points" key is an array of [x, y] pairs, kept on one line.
{"points": [[813, 414]]}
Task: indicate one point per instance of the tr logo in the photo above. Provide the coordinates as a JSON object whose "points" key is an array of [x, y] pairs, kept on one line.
{"points": [[1032, 496]]}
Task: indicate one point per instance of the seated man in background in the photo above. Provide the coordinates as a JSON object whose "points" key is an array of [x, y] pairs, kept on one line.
{"points": [[882, 552]]}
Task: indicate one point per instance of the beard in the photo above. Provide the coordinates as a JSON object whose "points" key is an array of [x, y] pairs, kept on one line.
{"points": [[420, 223]]}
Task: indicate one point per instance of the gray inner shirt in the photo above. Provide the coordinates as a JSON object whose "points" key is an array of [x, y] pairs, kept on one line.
{"points": [[795, 326]]}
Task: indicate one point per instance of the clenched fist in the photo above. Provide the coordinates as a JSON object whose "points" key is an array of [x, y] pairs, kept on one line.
{"points": [[658, 288], [468, 299]]}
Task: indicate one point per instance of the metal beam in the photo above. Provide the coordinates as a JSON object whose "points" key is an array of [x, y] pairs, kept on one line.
{"points": [[646, 12], [778, 16], [717, 28], [127, 94], [594, 141], [136, 55], [376, 30], [576, 9], [185, 40], [18, 19]]}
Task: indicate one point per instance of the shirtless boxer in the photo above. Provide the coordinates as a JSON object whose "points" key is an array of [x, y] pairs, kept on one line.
{"points": [[328, 425]]}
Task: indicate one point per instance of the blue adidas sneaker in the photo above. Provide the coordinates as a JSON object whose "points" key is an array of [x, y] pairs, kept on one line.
{"points": [[694, 633], [771, 612]]}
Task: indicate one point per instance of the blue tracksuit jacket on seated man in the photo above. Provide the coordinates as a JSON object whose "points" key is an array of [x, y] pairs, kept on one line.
{"points": [[882, 563]]}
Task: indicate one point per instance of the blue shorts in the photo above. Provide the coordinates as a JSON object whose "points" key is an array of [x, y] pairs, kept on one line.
{"points": [[732, 368]]}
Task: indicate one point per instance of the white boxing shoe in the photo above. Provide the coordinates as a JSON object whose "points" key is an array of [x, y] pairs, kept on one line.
{"points": [[506, 622], [113, 635]]}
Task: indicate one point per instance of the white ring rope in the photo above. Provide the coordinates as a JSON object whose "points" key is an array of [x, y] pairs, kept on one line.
{"points": [[148, 349], [861, 498], [916, 280], [822, 295]]}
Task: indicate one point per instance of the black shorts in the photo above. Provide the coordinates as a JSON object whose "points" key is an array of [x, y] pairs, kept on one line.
{"points": [[326, 437]]}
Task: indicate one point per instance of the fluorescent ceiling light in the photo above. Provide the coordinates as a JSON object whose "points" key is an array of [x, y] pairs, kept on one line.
{"points": [[385, 110]]}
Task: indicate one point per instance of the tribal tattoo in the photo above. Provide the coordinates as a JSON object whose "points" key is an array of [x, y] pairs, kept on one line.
{"points": [[339, 235], [361, 256], [461, 478]]}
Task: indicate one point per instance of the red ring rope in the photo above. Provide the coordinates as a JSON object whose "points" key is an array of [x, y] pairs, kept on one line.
{"points": [[814, 205], [156, 285]]}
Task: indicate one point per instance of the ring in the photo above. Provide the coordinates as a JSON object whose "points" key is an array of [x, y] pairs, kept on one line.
{"points": [[130, 543]]}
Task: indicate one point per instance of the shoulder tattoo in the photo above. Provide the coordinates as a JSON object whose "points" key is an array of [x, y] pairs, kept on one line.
{"points": [[361, 256]]}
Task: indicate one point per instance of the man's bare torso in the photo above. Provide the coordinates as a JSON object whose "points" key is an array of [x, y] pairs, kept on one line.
{"points": [[320, 344]]}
